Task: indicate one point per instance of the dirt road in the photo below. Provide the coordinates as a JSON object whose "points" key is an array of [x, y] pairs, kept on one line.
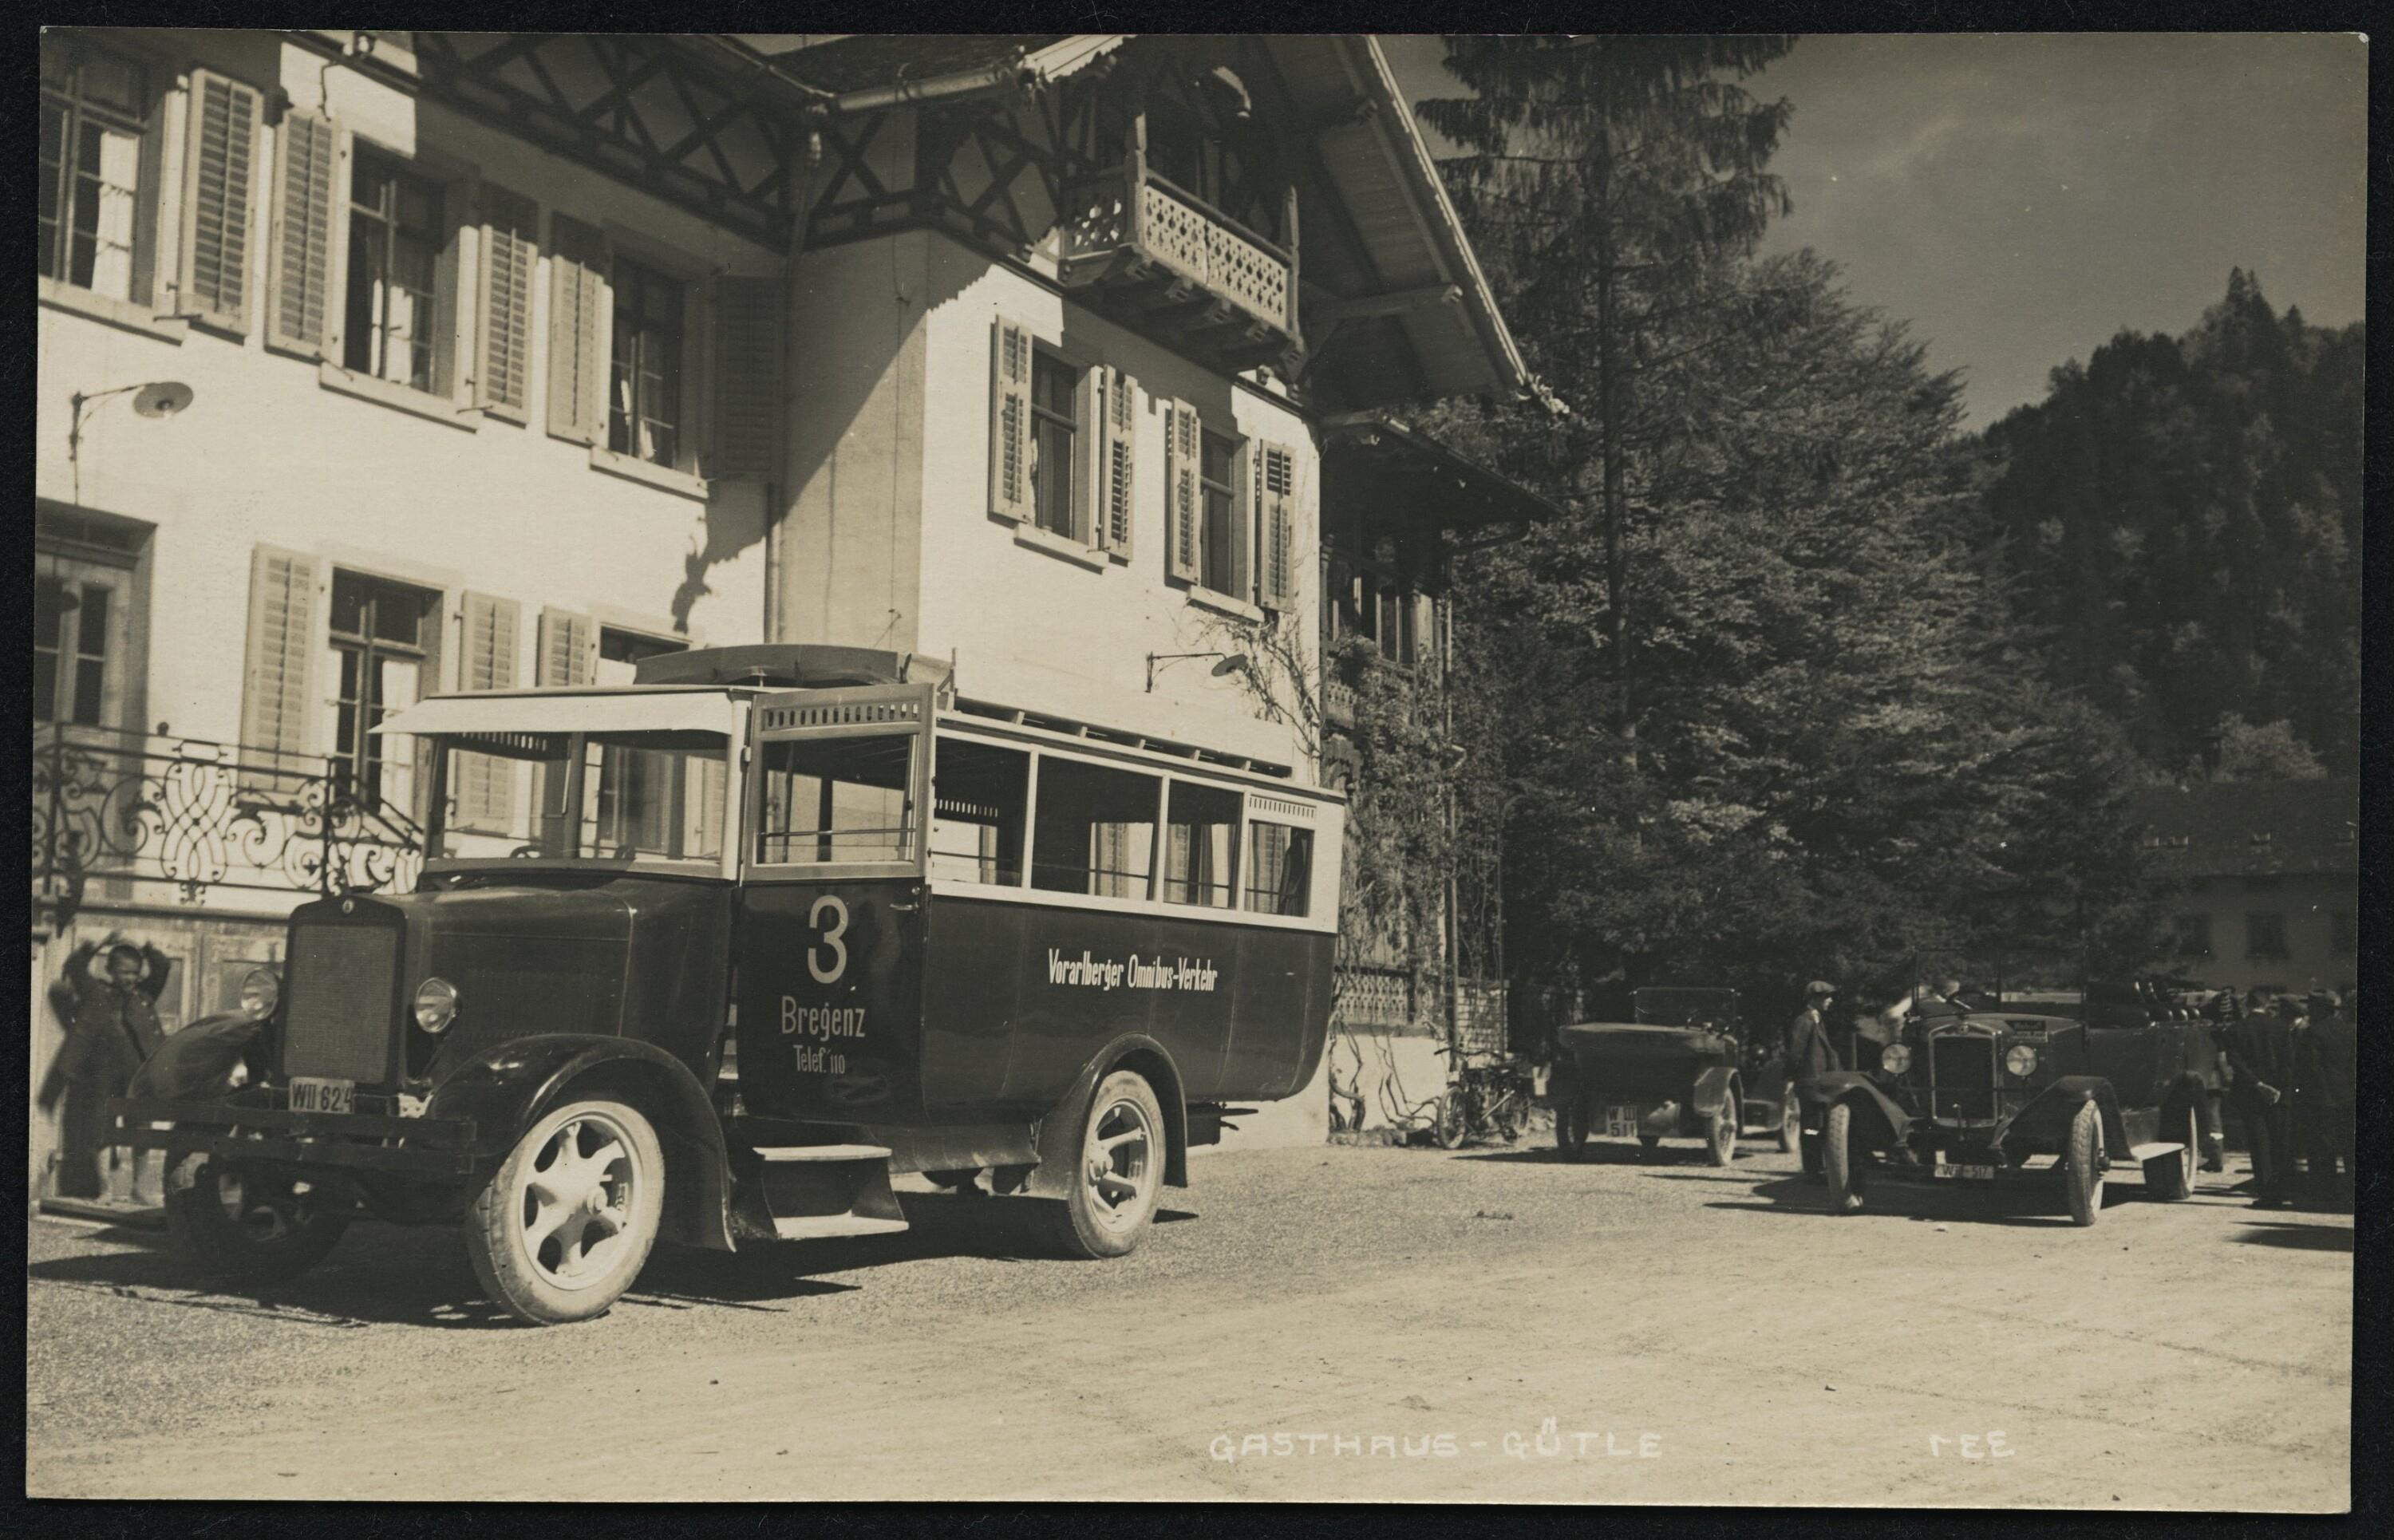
{"points": [[1339, 1323]]}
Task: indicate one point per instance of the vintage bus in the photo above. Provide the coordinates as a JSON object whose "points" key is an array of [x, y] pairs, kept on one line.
{"points": [[711, 955]]}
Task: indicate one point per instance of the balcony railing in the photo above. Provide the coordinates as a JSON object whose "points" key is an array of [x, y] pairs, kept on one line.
{"points": [[1182, 269], [141, 807]]}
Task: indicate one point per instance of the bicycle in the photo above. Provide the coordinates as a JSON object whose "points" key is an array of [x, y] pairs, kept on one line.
{"points": [[1489, 1099]]}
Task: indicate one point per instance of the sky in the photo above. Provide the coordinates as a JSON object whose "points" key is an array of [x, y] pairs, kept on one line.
{"points": [[2019, 199]]}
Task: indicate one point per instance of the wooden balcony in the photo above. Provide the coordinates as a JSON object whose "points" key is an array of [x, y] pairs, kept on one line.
{"points": [[1162, 262]]}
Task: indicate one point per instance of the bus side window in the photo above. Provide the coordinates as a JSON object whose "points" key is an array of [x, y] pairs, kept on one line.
{"points": [[977, 808], [1203, 826], [837, 799], [1095, 831], [1279, 869]]}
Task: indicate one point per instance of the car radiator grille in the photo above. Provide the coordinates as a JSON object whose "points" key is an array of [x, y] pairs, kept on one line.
{"points": [[337, 1017], [1962, 1077]]}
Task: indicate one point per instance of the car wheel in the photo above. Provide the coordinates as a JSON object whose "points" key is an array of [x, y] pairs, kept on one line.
{"points": [[2082, 1167], [246, 1225], [1791, 1123], [2170, 1177], [1117, 1176], [1840, 1163], [1720, 1135], [570, 1218]]}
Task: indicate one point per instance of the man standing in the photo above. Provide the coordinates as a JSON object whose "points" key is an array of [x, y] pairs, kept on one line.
{"points": [[1809, 1052], [2323, 1098], [2261, 1056], [111, 1027]]}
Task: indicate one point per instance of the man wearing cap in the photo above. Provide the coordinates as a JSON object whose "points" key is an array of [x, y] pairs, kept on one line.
{"points": [[2324, 1097], [1809, 1052], [112, 1014]]}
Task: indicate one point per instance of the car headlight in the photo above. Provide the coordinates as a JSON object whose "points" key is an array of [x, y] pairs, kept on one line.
{"points": [[1895, 1057], [259, 990], [2021, 1061], [436, 1004]]}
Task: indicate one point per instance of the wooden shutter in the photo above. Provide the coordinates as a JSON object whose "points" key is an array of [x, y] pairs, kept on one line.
{"points": [[1184, 507], [578, 332], [1009, 420], [277, 700], [218, 163], [502, 328], [747, 376], [306, 184], [485, 784], [1117, 460], [568, 647], [1276, 521]]}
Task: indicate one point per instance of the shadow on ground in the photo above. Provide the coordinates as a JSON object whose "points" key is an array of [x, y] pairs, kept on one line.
{"points": [[2296, 1237], [388, 1275]]}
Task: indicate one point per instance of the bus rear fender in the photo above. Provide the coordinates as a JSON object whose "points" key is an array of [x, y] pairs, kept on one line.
{"points": [[1061, 1129]]}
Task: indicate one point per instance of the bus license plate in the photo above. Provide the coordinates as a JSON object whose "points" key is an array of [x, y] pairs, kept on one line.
{"points": [[1969, 1173], [1621, 1123], [320, 1096]]}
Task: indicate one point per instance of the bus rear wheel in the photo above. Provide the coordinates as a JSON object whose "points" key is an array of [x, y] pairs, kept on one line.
{"points": [[1117, 1174]]}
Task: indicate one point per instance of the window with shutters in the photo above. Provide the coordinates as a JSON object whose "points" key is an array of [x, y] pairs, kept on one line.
{"points": [[644, 402], [1218, 483], [482, 786], [390, 322], [510, 254], [380, 639], [220, 156], [1055, 389], [96, 117]]}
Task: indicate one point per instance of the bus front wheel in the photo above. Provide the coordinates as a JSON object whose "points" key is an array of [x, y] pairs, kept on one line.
{"points": [[1117, 1174]]}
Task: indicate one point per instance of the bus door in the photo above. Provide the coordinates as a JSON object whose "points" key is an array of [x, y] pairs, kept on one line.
{"points": [[832, 920]]}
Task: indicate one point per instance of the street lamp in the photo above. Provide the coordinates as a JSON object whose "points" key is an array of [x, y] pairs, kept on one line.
{"points": [[156, 399], [1232, 663]]}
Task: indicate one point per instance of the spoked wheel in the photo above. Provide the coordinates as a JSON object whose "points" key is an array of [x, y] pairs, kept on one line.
{"points": [[1117, 1170], [1720, 1135], [2170, 1177], [569, 1219], [1791, 1122], [2082, 1169], [1453, 1119], [1840, 1162], [249, 1226]]}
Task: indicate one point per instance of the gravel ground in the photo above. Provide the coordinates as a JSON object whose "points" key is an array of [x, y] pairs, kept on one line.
{"points": [[1764, 1350]]}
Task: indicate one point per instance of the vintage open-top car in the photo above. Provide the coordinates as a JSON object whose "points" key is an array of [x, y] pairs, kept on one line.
{"points": [[710, 957], [1998, 1096], [1682, 1069]]}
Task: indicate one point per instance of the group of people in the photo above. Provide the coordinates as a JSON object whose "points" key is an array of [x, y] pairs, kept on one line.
{"points": [[107, 1001], [2289, 1071]]}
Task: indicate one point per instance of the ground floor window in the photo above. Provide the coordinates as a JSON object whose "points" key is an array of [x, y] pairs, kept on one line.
{"points": [[381, 640]]}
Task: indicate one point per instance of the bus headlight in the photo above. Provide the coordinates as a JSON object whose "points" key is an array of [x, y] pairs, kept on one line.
{"points": [[259, 990], [2022, 1061], [436, 1004], [1894, 1059]]}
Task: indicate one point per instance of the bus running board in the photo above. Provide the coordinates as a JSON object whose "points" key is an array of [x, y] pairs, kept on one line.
{"points": [[813, 1191]]}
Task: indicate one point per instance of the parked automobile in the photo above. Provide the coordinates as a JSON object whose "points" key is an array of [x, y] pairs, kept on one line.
{"points": [[710, 957], [2006, 1097], [1684, 1068]]}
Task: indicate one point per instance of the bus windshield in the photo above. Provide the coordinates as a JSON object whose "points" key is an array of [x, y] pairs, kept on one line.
{"points": [[657, 795]]}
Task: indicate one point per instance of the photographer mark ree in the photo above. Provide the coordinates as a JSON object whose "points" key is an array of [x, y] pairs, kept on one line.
{"points": [[1547, 1443]]}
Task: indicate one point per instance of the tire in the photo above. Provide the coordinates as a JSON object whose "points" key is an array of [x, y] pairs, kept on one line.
{"points": [[1791, 1122], [2171, 1178], [1454, 1124], [1570, 1128], [568, 1219], [1117, 1174], [2081, 1166], [1840, 1163], [243, 1226], [1720, 1135]]}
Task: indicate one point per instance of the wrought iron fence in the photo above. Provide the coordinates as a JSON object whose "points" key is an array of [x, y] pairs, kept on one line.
{"points": [[200, 815]]}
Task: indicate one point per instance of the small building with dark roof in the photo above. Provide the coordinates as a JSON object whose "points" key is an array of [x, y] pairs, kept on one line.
{"points": [[2267, 877]]}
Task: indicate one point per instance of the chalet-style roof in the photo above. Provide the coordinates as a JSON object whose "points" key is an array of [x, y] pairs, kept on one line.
{"points": [[1384, 466], [2252, 828], [1398, 287]]}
